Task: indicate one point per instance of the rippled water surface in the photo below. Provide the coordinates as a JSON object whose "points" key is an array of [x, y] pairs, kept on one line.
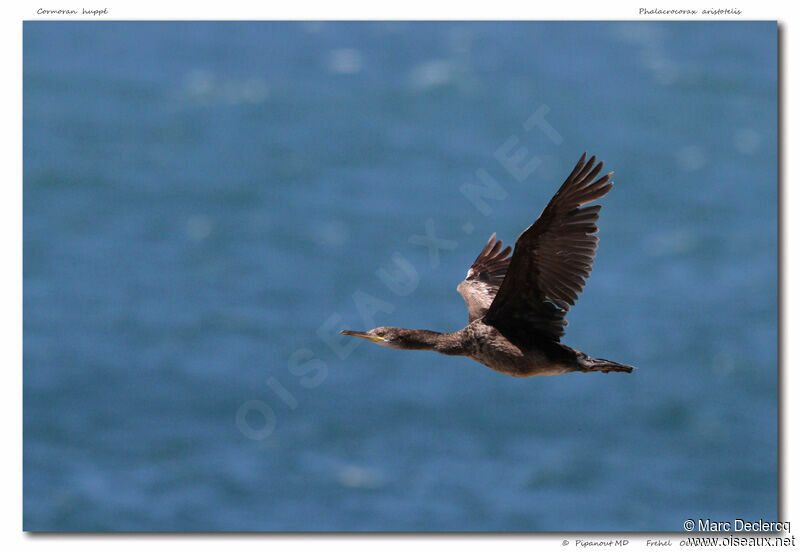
{"points": [[207, 204]]}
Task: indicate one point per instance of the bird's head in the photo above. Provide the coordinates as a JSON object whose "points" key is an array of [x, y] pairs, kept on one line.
{"points": [[396, 338]]}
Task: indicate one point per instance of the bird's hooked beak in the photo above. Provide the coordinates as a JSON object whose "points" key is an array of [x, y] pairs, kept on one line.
{"points": [[364, 335]]}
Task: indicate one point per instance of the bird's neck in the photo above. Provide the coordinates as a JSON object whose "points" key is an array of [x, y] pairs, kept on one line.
{"points": [[427, 340]]}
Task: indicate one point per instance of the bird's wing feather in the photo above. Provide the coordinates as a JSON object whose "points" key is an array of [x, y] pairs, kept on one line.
{"points": [[484, 277], [552, 259]]}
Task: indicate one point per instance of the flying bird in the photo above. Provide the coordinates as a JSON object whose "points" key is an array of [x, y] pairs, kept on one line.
{"points": [[517, 304]]}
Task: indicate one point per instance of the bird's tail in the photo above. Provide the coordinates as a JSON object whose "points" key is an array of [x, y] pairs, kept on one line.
{"points": [[589, 364]]}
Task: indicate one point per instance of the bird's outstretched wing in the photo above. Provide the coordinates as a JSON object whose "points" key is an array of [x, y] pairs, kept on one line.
{"points": [[484, 277], [552, 259]]}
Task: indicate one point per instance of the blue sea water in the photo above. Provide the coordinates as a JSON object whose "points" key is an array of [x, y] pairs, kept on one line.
{"points": [[207, 204]]}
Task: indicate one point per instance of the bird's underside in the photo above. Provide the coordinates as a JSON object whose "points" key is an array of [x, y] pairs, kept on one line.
{"points": [[517, 304], [524, 358]]}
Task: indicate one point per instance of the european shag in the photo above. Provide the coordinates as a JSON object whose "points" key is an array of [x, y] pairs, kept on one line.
{"points": [[517, 304]]}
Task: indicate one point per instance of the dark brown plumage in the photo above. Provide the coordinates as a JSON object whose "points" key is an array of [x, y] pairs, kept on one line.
{"points": [[517, 304]]}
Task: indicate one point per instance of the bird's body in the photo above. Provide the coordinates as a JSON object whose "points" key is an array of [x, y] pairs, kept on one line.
{"points": [[487, 345], [517, 304]]}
